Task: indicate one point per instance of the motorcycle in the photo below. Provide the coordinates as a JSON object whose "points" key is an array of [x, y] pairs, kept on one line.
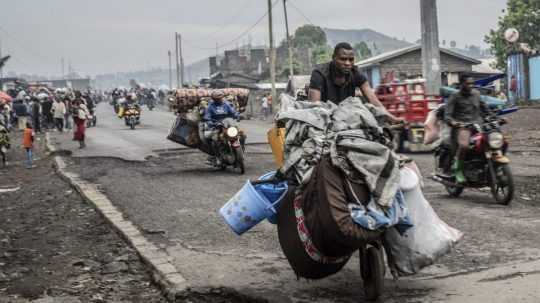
{"points": [[150, 103], [92, 120], [230, 145], [485, 164], [132, 116]]}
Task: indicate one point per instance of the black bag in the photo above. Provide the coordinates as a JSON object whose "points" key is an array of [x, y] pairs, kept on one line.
{"points": [[184, 133]]}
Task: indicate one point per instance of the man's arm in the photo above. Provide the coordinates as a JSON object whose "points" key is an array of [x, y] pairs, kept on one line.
{"points": [[449, 111], [315, 86], [372, 98], [314, 94], [232, 111]]}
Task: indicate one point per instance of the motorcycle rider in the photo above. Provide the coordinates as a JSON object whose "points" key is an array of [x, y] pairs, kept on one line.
{"points": [[464, 107], [217, 110]]}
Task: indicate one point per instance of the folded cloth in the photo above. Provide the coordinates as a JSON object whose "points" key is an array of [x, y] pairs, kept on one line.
{"points": [[374, 217]]}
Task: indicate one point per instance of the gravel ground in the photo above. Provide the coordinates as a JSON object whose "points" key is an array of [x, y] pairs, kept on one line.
{"points": [[55, 248]]}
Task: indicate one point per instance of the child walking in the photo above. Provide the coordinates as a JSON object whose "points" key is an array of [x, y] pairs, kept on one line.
{"points": [[28, 144]]}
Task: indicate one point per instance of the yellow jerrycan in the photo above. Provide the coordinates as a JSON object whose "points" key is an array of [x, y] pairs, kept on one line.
{"points": [[276, 139]]}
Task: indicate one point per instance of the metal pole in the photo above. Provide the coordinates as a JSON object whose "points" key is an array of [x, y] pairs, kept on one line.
{"points": [[431, 57], [272, 57], [170, 70], [177, 63], [181, 60], [289, 46]]}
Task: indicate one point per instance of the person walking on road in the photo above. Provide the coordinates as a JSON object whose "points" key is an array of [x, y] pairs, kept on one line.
{"points": [[67, 115], [264, 107], [36, 115], [21, 111], [80, 114], [28, 144], [513, 90], [4, 142], [59, 110]]}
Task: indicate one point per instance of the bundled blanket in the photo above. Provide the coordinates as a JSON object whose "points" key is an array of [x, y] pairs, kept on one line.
{"points": [[350, 134]]}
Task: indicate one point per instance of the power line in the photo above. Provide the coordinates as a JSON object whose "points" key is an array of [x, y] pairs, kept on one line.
{"points": [[296, 8], [240, 36], [228, 23]]}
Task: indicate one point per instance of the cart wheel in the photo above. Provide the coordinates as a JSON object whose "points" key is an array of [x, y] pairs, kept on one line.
{"points": [[374, 274]]}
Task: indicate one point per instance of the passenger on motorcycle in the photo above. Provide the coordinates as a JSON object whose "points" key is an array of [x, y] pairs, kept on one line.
{"points": [[464, 107], [217, 110], [131, 100]]}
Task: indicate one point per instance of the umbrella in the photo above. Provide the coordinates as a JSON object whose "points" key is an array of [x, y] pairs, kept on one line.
{"points": [[4, 98]]}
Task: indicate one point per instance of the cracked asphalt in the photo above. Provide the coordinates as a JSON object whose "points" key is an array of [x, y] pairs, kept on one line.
{"points": [[175, 198]]}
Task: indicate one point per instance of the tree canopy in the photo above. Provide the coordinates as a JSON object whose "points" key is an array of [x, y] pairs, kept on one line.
{"points": [[362, 51], [309, 36], [524, 15]]}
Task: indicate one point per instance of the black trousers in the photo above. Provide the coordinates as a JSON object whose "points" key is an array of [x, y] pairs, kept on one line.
{"points": [[59, 123]]}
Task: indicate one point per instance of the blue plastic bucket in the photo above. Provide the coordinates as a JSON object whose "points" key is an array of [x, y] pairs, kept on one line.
{"points": [[246, 209], [274, 192]]}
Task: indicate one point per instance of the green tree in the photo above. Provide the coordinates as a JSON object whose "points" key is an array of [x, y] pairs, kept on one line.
{"points": [[322, 54], [362, 51], [524, 15], [309, 36]]}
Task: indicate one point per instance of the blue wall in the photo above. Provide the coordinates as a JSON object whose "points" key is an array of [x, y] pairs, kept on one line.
{"points": [[516, 67], [534, 77]]}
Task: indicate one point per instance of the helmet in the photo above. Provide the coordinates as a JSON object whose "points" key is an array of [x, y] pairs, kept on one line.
{"points": [[217, 94]]}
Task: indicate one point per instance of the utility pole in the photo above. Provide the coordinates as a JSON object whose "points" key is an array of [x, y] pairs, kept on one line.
{"points": [[182, 79], [177, 62], [170, 69], [289, 46], [272, 57], [431, 56]]}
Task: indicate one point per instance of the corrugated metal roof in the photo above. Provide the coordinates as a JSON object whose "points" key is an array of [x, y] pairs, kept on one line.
{"points": [[396, 53]]}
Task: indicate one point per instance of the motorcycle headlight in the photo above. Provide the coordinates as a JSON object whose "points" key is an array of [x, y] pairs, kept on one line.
{"points": [[495, 140], [232, 132]]}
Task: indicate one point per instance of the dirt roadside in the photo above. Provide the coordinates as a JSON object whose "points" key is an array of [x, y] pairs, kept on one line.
{"points": [[54, 247]]}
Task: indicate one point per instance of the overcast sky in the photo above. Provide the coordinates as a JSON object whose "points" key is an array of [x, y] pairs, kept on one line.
{"points": [[102, 36]]}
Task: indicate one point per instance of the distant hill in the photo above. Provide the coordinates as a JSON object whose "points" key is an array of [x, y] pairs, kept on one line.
{"points": [[382, 42]]}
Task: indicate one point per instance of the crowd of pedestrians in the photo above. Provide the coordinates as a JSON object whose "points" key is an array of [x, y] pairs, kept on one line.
{"points": [[33, 111]]}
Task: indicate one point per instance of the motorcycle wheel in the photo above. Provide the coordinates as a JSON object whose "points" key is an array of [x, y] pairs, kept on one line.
{"points": [[239, 155], [454, 191], [132, 123], [94, 122], [374, 271], [503, 190]]}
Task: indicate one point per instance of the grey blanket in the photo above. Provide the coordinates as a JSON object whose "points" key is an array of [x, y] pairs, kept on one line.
{"points": [[350, 134]]}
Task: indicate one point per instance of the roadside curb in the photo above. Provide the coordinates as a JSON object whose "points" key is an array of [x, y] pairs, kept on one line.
{"points": [[164, 273]]}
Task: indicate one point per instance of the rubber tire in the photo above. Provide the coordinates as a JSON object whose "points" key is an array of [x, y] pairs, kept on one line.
{"points": [[94, 122], [132, 123], [239, 156], [510, 194], [454, 191], [374, 284]]}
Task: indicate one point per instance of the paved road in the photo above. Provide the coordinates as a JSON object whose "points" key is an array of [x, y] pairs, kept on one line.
{"points": [[112, 138], [175, 198]]}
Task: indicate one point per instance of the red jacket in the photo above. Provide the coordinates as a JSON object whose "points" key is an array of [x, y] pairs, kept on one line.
{"points": [[28, 138]]}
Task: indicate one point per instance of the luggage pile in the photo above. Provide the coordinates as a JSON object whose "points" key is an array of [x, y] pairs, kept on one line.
{"points": [[346, 191], [185, 100]]}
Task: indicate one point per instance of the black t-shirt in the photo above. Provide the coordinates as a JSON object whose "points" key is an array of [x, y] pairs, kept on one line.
{"points": [[323, 80]]}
